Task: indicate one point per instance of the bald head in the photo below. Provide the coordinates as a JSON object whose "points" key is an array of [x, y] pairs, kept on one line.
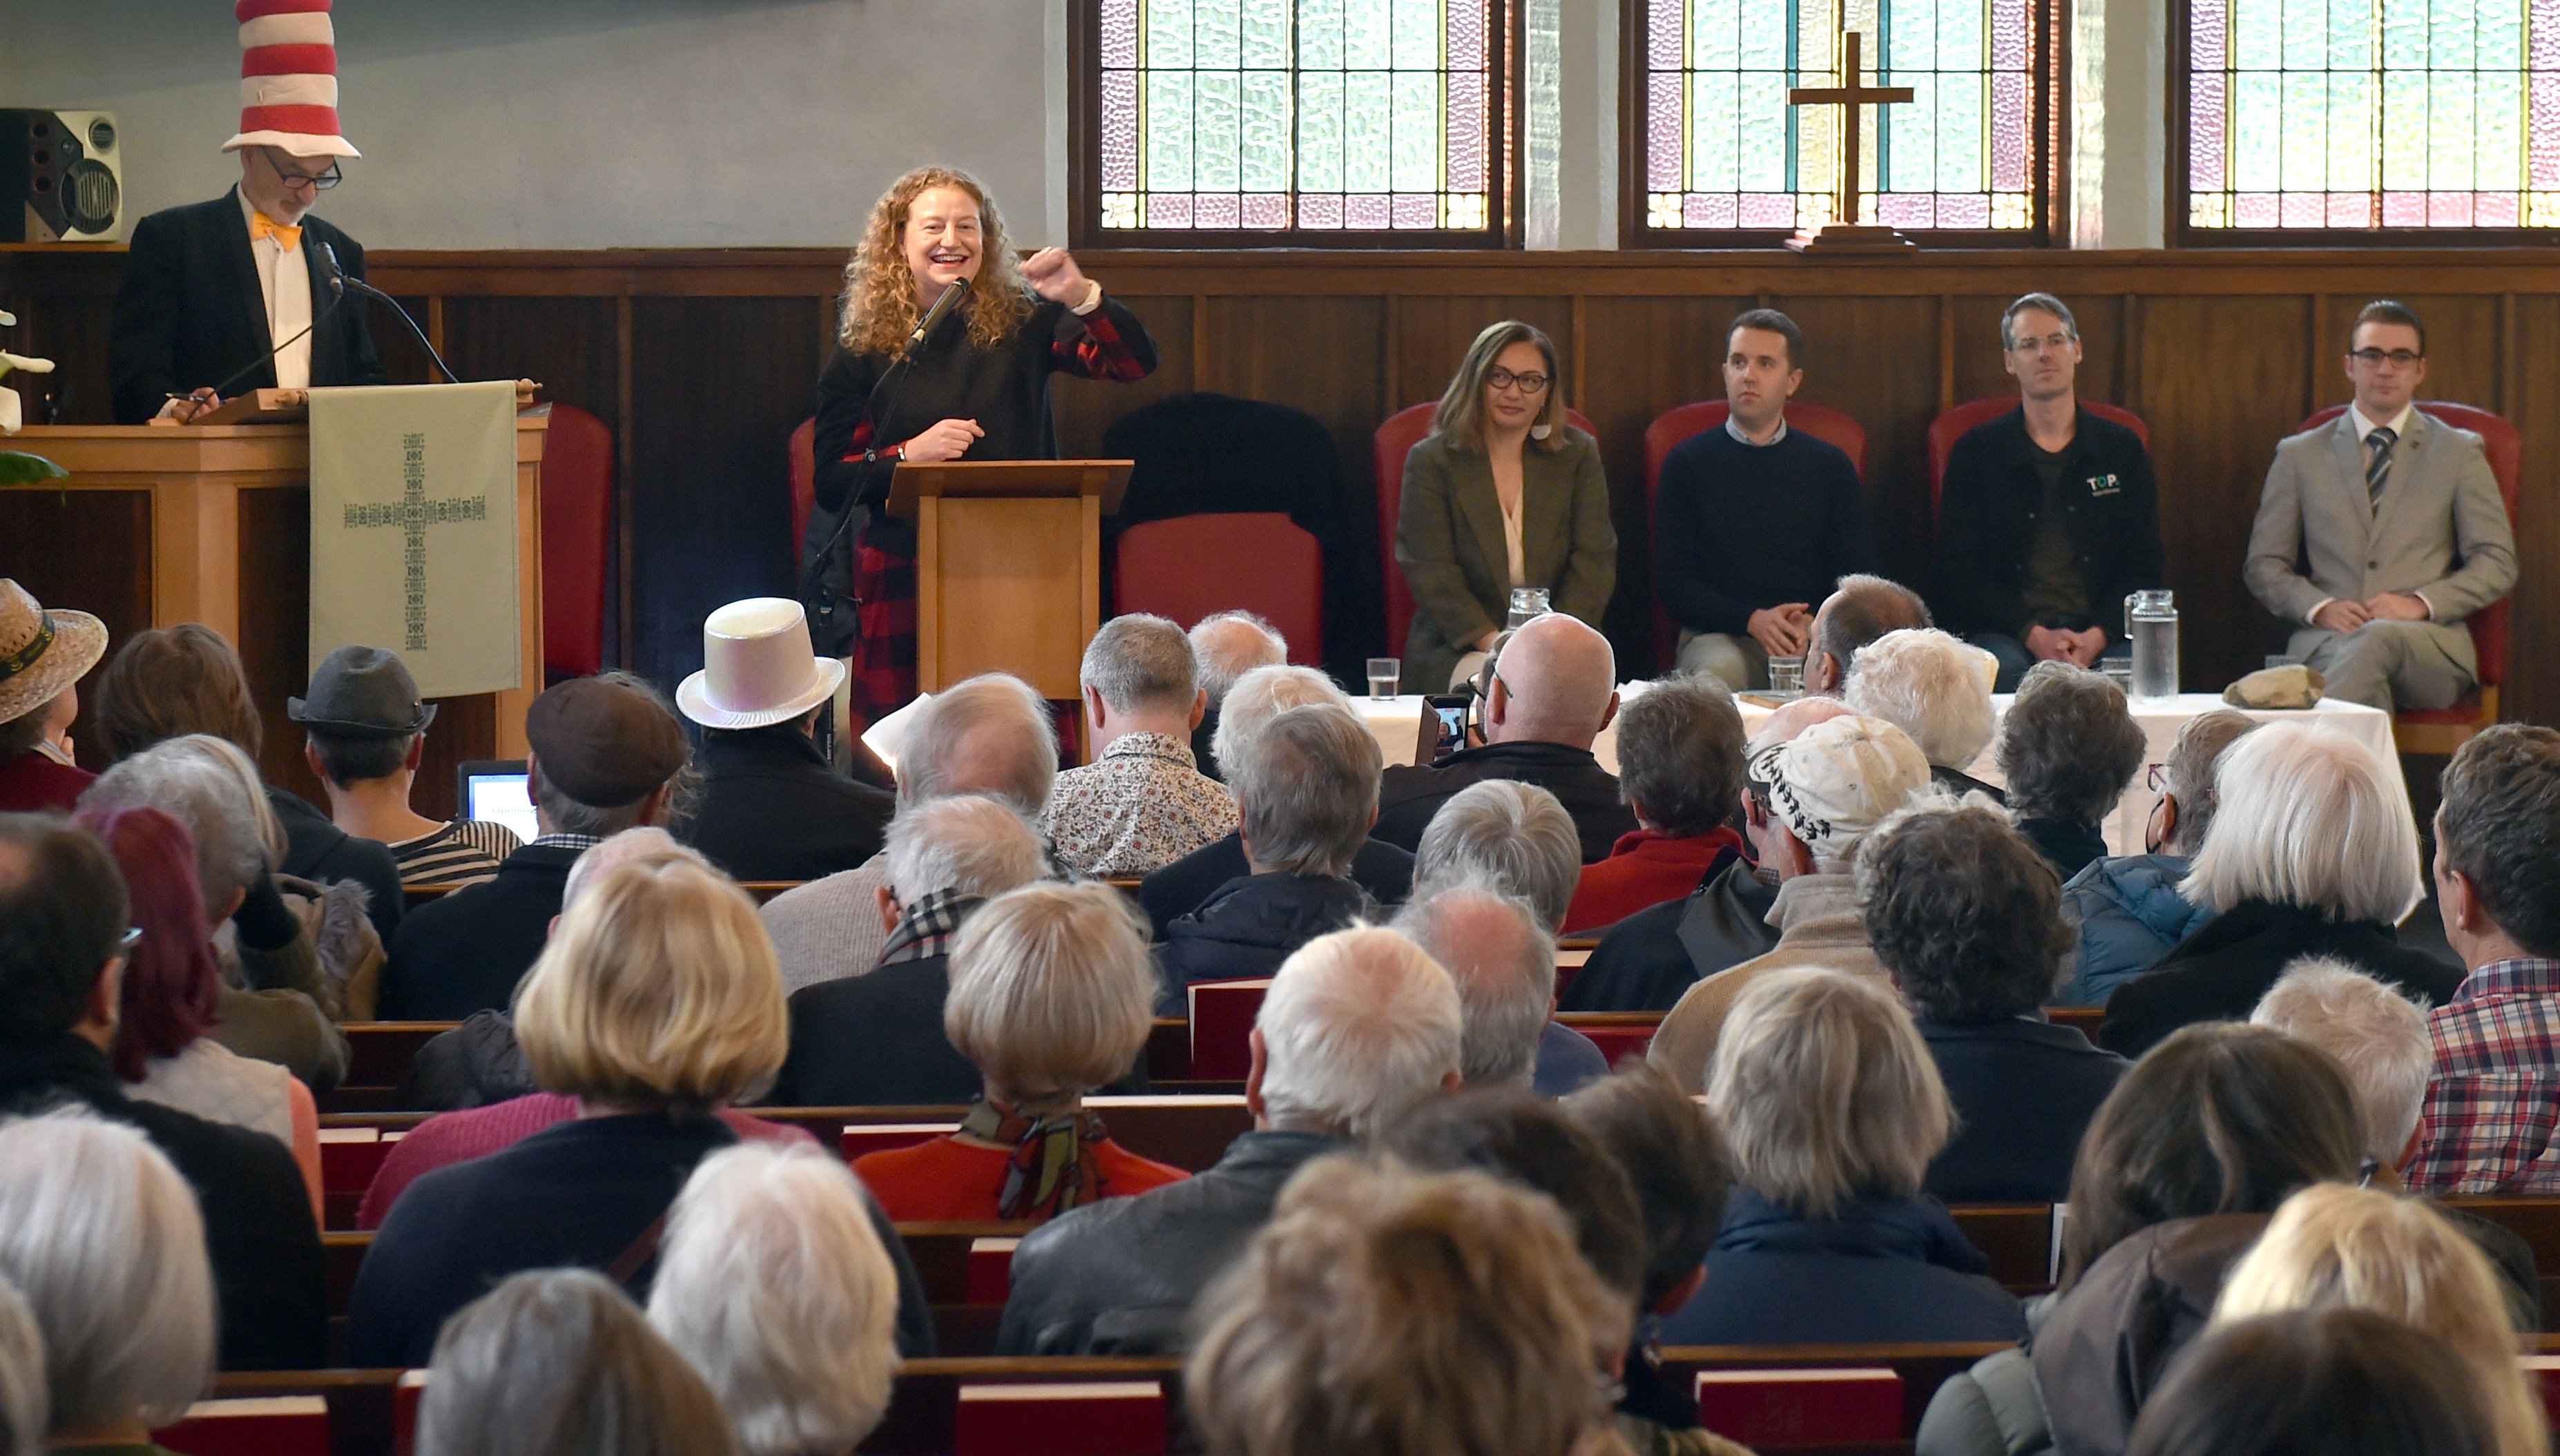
{"points": [[1557, 683], [1231, 645], [1857, 611], [1504, 963], [647, 845]]}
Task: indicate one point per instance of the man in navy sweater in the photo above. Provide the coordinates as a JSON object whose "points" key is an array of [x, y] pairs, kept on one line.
{"points": [[1755, 522]]}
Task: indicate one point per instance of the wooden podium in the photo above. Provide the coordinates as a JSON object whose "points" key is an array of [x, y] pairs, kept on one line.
{"points": [[1008, 566], [212, 524]]}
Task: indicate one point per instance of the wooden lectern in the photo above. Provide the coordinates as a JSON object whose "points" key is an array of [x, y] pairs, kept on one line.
{"points": [[1008, 566], [212, 524]]}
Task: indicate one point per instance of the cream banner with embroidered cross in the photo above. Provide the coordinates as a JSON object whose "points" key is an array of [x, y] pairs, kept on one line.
{"points": [[413, 529]]}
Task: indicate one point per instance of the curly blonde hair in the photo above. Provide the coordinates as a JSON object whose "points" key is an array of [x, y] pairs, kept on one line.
{"points": [[877, 307]]}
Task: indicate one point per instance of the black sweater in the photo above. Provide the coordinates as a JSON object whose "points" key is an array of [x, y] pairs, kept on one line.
{"points": [[1738, 527]]}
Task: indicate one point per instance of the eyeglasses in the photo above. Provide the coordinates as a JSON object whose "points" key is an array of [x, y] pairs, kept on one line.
{"points": [[132, 937], [1501, 378], [2050, 344], [2373, 358], [2158, 779], [321, 182]]}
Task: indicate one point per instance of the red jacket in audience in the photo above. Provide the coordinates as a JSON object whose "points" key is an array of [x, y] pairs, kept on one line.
{"points": [[957, 1179], [1645, 869], [458, 1137], [32, 782]]}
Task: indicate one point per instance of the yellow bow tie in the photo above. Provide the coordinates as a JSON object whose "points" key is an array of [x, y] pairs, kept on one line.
{"points": [[261, 225]]}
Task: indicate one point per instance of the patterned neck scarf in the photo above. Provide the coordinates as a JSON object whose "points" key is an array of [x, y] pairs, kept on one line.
{"points": [[1045, 1175]]}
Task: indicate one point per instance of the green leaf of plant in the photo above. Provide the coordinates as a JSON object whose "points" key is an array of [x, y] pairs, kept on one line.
{"points": [[18, 468]]}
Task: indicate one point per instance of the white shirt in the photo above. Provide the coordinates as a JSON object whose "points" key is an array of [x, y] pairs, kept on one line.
{"points": [[1734, 428], [1515, 547], [286, 287]]}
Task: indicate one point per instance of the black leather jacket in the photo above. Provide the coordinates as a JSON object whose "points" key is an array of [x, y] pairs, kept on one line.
{"points": [[1118, 1277]]}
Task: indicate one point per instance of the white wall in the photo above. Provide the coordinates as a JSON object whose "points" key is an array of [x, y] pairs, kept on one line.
{"points": [[590, 123]]}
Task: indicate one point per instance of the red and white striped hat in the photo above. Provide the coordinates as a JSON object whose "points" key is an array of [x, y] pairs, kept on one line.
{"points": [[288, 79]]}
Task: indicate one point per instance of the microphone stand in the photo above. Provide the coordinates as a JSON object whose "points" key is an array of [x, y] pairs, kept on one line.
{"points": [[341, 283]]}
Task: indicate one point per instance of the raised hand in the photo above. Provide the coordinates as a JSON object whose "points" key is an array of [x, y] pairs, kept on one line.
{"points": [[1054, 276]]}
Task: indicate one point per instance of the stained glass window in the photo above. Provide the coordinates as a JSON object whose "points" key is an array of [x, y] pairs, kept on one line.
{"points": [[1322, 115], [2373, 114], [1724, 151]]}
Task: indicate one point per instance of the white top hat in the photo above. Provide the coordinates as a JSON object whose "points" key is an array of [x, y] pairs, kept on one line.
{"points": [[757, 668]]}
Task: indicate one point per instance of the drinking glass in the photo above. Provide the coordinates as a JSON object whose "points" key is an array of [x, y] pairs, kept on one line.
{"points": [[2120, 672], [1527, 602], [1787, 676], [1384, 673], [2282, 660]]}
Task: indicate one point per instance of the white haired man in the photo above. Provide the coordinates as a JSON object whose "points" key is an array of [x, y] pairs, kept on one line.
{"points": [[989, 735], [1307, 785], [1504, 963], [1938, 689], [1227, 646], [877, 1040], [1359, 1027], [1384, 870], [1551, 688], [1813, 799], [1143, 801]]}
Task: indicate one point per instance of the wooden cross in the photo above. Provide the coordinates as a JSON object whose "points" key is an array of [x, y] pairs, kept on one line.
{"points": [[1849, 98]]}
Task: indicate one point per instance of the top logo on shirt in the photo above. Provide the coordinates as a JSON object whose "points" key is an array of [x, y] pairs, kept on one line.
{"points": [[2104, 485]]}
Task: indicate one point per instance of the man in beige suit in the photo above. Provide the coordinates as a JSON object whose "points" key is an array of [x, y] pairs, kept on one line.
{"points": [[2401, 524]]}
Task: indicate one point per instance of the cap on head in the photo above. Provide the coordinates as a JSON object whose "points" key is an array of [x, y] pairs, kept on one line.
{"points": [[361, 690], [1836, 780], [602, 743]]}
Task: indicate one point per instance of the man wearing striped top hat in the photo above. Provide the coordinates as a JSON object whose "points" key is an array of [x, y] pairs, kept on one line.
{"points": [[242, 293]]}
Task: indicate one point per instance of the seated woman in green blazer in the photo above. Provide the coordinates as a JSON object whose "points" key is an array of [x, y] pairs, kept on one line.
{"points": [[1503, 493]]}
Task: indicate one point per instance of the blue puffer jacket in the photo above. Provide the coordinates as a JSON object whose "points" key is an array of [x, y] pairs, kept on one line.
{"points": [[2130, 915]]}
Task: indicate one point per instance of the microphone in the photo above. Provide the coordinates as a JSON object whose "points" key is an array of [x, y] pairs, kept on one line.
{"points": [[337, 275], [949, 301]]}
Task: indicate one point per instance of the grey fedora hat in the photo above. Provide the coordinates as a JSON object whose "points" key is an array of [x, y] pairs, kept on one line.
{"points": [[361, 690]]}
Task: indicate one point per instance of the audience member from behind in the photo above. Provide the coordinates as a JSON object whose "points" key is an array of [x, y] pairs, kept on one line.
{"points": [[102, 1238], [275, 1001], [1549, 689], [2127, 907], [1226, 646], [1504, 963], [2069, 748], [1860, 610], [1517, 841], [1377, 1363], [560, 1362], [773, 1283], [1143, 801], [605, 755], [2182, 1165], [1754, 522], [1965, 916], [1306, 786], [1680, 770], [2496, 1037], [1833, 1110], [171, 682], [655, 1007], [170, 996], [1050, 994], [1811, 799], [2326, 1382], [364, 732], [25, 1408], [878, 1040], [1937, 690], [1359, 1028], [43, 656], [988, 735], [1675, 1161], [2334, 1247], [770, 805], [2311, 853], [1384, 870]]}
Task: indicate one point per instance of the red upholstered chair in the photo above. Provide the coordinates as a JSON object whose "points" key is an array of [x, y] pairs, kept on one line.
{"points": [[1188, 567], [577, 540], [804, 484], [1666, 433], [2443, 730], [1395, 439], [1948, 428]]}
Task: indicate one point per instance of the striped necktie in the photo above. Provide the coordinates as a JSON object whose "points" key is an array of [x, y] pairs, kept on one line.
{"points": [[2377, 471]]}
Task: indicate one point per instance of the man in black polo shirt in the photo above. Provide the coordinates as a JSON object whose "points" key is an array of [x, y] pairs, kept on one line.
{"points": [[2048, 519], [1754, 522]]}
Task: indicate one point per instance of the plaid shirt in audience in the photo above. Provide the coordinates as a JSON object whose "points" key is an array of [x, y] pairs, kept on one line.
{"points": [[926, 926], [1137, 808], [2493, 1103]]}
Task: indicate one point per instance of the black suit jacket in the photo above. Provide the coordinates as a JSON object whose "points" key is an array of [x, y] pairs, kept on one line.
{"points": [[772, 809], [189, 312], [1169, 894], [875, 1040], [1410, 795], [465, 953]]}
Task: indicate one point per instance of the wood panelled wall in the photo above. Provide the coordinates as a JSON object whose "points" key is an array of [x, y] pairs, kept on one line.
{"points": [[703, 362]]}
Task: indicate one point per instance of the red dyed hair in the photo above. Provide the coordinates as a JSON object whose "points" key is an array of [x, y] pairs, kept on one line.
{"points": [[173, 981]]}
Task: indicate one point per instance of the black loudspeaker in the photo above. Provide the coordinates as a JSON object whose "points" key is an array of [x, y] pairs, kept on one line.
{"points": [[62, 177]]}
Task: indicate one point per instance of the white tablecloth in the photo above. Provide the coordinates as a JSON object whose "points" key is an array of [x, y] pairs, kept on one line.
{"points": [[1396, 722]]}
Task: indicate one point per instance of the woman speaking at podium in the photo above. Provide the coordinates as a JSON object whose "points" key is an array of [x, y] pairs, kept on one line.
{"points": [[945, 343]]}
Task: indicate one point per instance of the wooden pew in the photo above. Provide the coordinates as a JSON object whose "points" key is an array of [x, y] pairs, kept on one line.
{"points": [[2017, 1239], [1923, 1368], [2534, 1220]]}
